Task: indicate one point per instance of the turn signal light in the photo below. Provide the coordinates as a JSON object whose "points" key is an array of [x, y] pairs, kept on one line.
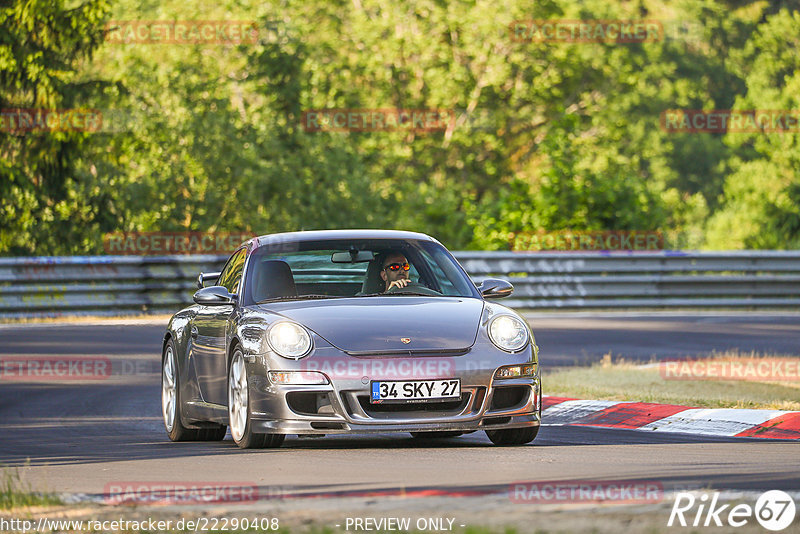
{"points": [[516, 371], [309, 378]]}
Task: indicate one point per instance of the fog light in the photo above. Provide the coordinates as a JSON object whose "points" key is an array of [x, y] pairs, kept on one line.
{"points": [[516, 371], [309, 378]]}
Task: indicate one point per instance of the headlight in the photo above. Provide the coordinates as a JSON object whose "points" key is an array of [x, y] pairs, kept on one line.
{"points": [[508, 333], [289, 340]]}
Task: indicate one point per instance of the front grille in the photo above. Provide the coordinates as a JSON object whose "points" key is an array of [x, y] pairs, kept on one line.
{"points": [[508, 397], [327, 426], [309, 403], [357, 405], [423, 407]]}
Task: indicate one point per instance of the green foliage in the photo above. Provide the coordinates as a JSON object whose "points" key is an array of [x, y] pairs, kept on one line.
{"points": [[46, 204], [547, 135], [762, 194]]}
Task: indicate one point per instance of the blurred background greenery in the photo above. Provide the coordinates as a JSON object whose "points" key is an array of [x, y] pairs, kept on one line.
{"points": [[207, 137]]}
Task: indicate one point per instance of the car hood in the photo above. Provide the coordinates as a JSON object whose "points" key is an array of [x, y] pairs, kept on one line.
{"points": [[406, 324]]}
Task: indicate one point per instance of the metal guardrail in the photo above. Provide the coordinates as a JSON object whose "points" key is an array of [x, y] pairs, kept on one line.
{"points": [[664, 279], [99, 285], [118, 285]]}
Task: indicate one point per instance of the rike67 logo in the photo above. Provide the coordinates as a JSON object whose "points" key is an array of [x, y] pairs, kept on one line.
{"points": [[774, 510]]}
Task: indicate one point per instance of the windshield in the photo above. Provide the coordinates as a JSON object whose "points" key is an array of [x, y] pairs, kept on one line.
{"points": [[354, 268]]}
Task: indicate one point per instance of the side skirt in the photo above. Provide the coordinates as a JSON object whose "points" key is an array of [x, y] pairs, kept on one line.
{"points": [[205, 412]]}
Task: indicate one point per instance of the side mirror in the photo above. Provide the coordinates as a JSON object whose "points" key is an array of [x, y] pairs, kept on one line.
{"points": [[494, 288], [202, 278], [214, 296]]}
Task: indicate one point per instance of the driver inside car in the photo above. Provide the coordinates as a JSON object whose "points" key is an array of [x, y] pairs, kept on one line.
{"points": [[394, 270]]}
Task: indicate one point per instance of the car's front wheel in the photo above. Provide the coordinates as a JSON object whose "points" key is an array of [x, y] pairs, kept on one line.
{"points": [[239, 409], [171, 404], [513, 436]]}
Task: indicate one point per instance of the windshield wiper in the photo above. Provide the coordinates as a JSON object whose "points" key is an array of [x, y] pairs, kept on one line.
{"points": [[412, 293], [299, 297]]}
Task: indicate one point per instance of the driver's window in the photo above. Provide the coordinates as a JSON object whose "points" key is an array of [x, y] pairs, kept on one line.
{"points": [[445, 285], [231, 276], [413, 273]]}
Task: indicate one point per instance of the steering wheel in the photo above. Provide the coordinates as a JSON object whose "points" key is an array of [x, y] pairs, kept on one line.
{"points": [[414, 287]]}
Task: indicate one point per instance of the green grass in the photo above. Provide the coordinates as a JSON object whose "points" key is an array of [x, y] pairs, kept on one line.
{"points": [[14, 493], [628, 381]]}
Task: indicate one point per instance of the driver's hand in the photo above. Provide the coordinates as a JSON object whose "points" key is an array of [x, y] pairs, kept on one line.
{"points": [[403, 282]]}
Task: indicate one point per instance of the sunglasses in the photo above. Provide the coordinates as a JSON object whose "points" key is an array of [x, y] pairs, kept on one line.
{"points": [[397, 266]]}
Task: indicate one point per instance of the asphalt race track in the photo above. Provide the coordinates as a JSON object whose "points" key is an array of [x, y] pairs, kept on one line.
{"points": [[81, 437]]}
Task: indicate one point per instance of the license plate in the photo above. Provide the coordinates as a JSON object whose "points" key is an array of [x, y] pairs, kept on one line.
{"points": [[414, 390]]}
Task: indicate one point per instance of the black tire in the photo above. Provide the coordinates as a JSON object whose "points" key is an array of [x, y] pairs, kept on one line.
{"points": [[438, 434], [212, 433], [513, 436], [249, 439], [179, 431], [262, 441]]}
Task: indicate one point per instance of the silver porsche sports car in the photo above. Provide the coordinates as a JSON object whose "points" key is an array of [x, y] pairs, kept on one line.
{"points": [[348, 331]]}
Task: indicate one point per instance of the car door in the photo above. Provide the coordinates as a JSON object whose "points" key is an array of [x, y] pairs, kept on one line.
{"points": [[210, 325]]}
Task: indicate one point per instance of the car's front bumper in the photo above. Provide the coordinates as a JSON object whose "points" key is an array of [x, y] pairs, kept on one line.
{"points": [[342, 405]]}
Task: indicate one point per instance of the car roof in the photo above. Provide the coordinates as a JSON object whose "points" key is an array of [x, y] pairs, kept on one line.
{"points": [[322, 235]]}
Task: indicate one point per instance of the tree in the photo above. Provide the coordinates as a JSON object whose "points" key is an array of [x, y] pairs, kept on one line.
{"points": [[762, 194], [48, 204]]}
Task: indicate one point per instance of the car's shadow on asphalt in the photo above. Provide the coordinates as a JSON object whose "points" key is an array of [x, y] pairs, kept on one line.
{"points": [[528, 490], [63, 424], [100, 446]]}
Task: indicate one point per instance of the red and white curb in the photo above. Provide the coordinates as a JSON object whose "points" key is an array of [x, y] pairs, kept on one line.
{"points": [[772, 424]]}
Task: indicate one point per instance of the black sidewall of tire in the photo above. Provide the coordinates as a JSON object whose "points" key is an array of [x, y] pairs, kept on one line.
{"points": [[513, 436]]}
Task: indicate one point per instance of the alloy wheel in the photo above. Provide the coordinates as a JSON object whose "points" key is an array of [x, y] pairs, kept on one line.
{"points": [[168, 390], [237, 397]]}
